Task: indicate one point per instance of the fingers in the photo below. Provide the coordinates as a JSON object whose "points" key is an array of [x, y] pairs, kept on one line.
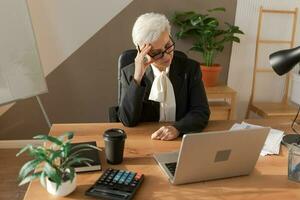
{"points": [[140, 64], [166, 136], [165, 133], [156, 134], [145, 50], [169, 136], [143, 54], [141, 58]]}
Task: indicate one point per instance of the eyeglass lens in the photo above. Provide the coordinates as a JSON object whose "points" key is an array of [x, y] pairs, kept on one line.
{"points": [[169, 48]]}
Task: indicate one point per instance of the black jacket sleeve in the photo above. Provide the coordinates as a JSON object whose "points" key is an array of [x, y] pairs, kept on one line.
{"points": [[198, 113], [131, 105]]}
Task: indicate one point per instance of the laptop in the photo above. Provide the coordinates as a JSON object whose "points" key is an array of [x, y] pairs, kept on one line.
{"points": [[213, 155]]}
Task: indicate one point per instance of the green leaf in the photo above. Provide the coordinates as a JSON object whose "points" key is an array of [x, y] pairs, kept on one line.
{"points": [[43, 179], [197, 20], [217, 9], [30, 178], [74, 155], [239, 32], [71, 174], [39, 153], [27, 147], [207, 32], [49, 138], [54, 155], [66, 149], [53, 174], [69, 135], [212, 23], [236, 39], [28, 167]]}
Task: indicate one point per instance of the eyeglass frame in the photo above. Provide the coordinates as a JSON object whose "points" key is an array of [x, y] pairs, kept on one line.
{"points": [[163, 52]]}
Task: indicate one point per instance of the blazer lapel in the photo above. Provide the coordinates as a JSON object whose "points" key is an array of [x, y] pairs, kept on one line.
{"points": [[149, 74], [177, 78], [148, 78]]}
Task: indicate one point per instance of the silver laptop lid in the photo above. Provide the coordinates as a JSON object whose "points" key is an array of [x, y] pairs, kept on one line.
{"points": [[221, 154]]}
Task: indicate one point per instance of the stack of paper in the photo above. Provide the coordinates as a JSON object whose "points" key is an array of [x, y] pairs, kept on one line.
{"points": [[272, 143]]}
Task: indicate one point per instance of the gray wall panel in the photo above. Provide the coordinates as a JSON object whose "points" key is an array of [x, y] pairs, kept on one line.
{"points": [[83, 87]]}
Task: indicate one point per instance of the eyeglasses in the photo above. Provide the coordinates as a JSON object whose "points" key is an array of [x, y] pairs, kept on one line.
{"points": [[158, 54]]}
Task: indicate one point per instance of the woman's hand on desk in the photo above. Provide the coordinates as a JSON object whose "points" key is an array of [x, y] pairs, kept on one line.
{"points": [[165, 133]]}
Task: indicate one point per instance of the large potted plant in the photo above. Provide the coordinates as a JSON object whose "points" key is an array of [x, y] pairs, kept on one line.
{"points": [[209, 39], [52, 163]]}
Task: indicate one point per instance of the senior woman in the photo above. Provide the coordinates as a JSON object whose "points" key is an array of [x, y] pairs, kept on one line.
{"points": [[159, 86]]}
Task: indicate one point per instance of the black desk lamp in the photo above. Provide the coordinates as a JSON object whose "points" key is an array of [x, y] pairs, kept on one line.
{"points": [[282, 62]]}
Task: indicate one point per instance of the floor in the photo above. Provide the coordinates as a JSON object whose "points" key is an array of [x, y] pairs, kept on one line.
{"points": [[10, 166]]}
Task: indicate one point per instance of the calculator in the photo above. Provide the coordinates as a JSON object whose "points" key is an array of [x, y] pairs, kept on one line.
{"points": [[116, 184]]}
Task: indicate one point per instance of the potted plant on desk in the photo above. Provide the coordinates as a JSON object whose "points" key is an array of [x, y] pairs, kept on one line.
{"points": [[209, 39], [52, 163]]}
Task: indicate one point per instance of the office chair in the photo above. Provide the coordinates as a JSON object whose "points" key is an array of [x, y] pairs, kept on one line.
{"points": [[126, 58]]}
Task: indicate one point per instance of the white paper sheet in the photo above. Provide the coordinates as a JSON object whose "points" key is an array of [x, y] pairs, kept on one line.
{"points": [[272, 143]]}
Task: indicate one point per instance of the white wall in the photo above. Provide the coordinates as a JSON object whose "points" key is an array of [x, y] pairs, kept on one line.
{"points": [[61, 27], [242, 57]]}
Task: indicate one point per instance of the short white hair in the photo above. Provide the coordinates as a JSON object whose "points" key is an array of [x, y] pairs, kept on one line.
{"points": [[148, 28]]}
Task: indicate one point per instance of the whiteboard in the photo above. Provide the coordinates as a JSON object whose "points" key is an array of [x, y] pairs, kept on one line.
{"points": [[21, 73]]}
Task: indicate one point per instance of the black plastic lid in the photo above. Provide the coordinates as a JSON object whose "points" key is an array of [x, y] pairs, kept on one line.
{"points": [[114, 134]]}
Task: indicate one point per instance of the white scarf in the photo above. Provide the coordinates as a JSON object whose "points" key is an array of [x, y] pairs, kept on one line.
{"points": [[162, 91]]}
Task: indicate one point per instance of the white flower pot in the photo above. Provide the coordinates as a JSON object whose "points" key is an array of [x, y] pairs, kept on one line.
{"points": [[295, 90], [63, 190]]}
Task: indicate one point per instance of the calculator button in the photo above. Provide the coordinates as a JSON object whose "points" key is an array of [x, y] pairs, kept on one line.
{"points": [[118, 176], [132, 184], [130, 177], [123, 177], [115, 183], [137, 176]]}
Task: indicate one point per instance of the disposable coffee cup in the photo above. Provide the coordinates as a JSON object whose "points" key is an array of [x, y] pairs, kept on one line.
{"points": [[114, 140]]}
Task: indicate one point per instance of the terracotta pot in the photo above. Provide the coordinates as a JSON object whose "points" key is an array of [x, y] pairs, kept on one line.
{"points": [[210, 75]]}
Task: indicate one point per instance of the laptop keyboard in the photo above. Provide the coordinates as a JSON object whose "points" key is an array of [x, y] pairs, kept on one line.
{"points": [[171, 167]]}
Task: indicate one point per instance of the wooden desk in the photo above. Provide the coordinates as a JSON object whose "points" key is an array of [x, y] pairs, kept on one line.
{"points": [[222, 102], [268, 181]]}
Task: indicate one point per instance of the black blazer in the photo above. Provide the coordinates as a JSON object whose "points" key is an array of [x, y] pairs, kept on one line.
{"points": [[192, 110]]}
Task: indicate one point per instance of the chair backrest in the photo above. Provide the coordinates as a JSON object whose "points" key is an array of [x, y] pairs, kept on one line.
{"points": [[127, 57]]}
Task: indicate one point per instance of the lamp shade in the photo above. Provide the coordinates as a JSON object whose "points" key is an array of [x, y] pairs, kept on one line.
{"points": [[284, 60]]}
